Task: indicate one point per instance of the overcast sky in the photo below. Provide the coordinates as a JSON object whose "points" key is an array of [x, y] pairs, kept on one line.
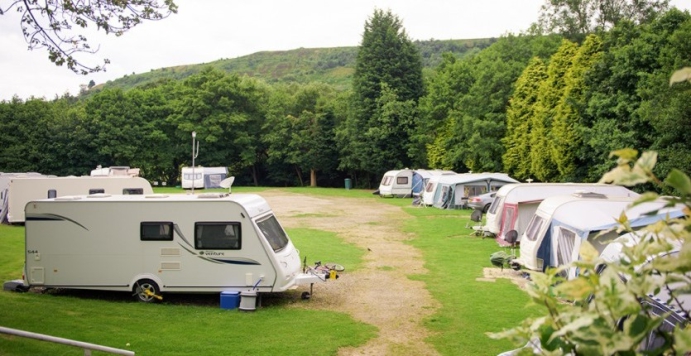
{"points": [[207, 30]]}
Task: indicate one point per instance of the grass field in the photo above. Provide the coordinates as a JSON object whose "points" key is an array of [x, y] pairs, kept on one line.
{"points": [[197, 326]]}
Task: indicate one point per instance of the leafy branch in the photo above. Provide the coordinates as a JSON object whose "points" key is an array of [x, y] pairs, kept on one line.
{"points": [[54, 24]]}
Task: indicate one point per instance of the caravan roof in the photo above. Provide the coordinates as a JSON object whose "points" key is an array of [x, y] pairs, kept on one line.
{"points": [[523, 192]]}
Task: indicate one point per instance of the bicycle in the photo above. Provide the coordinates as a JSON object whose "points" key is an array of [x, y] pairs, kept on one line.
{"points": [[325, 269], [322, 270]]}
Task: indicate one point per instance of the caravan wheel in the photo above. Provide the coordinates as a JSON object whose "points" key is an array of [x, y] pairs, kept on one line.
{"points": [[147, 291]]}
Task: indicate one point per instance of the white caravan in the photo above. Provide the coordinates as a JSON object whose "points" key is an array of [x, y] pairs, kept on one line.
{"points": [[21, 190], [452, 191], [554, 234], [192, 177], [152, 244], [406, 182], [5, 178], [515, 204]]}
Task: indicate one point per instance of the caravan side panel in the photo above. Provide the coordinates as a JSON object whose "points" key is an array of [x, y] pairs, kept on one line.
{"points": [[100, 245]]}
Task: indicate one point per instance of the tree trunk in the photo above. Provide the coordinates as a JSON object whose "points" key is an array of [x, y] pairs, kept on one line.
{"points": [[254, 175], [313, 177], [297, 171]]}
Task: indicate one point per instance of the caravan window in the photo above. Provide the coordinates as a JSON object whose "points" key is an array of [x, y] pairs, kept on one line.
{"points": [[156, 231], [96, 191], [402, 180], [52, 193], [495, 203], [473, 190], [273, 232], [133, 191], [565, 243], [197, 176], [217, 236], [533, 228], [386, 180], [429, 187]]}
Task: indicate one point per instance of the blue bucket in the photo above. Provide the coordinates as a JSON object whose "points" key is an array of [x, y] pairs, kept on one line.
{"points": [[230, 299]]}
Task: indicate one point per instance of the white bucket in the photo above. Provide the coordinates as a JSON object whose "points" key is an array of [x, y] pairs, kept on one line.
{"points": [[248, 300]]}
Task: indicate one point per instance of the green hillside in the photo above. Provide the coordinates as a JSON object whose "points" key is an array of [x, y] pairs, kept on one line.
{"points": [[328, 65]]}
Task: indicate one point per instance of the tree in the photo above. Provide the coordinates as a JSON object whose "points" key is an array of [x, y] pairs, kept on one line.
{"points": [[576, 18], [567, 127], [299, 132], [386, 56], [551, 91], [480, 115], [450, 81], [518, 120], [49, 24], [226, 112], [627, 99], [667, 108], [388, 63]]}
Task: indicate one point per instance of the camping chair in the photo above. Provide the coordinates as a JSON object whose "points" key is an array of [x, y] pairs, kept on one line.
{"points": [[417, 200], [511, 237], [476, 216]]}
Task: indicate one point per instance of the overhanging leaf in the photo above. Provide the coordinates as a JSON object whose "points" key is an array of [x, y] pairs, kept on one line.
{"points": [[682, 340], [588, 252], [681, 75], [679, 181]]}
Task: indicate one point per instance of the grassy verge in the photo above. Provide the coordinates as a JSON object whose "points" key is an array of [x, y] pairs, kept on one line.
{"points": [[470, 307], [317, 245]]}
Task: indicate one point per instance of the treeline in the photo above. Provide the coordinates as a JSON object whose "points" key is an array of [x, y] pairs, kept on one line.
{"points": [[534, 106]]}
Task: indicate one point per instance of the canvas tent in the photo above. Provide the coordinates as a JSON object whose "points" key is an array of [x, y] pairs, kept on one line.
{"points": [[554, 234], [452, 191], [515, 204]]}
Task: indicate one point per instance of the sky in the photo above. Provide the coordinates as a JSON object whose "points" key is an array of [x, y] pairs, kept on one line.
{"points": [[207, 30]]}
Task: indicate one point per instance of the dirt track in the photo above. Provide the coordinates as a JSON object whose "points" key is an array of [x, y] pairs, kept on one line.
{"points": [[380, 294]]}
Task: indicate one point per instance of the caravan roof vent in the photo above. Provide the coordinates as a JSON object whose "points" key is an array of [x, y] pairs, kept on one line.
{"points": [[98, 195], [585, 194], [156, 196], [68, 197], [212, 195]]}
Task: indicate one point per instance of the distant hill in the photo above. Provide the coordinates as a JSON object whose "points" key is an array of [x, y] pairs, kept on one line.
{"points": [[328, 65]]}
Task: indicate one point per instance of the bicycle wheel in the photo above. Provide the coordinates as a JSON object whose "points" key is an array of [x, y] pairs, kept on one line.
{"points": [[335, 266]]}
